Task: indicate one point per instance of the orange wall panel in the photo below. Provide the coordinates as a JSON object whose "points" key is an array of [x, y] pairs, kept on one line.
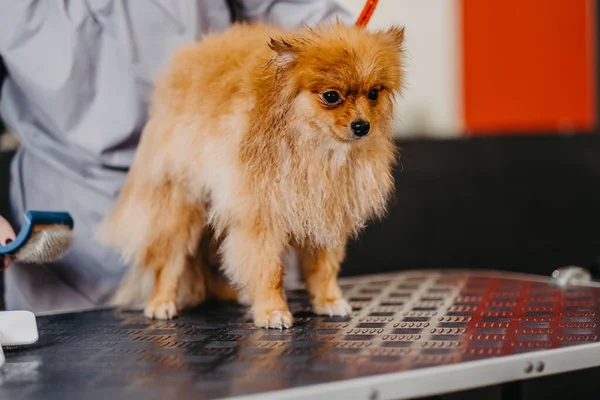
{"points": [[528, 65]]}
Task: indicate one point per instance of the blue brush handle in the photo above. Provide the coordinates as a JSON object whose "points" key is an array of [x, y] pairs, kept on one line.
{"points": [[30, 220]]}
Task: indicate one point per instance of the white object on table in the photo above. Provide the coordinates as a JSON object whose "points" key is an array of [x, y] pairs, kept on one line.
{"points": [[17, 328]]}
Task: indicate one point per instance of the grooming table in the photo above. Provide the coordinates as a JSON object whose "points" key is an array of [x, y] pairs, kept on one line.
{"points": [[412, 335]]}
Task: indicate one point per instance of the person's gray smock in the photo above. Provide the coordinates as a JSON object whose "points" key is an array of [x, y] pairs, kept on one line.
{"points": [[79, 78]]}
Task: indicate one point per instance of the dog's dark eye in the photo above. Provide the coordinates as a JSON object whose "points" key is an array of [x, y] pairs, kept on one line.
{"points": [[374, 94], [331, 97]]}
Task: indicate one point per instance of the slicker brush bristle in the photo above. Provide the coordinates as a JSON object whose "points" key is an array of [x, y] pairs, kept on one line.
{"points": [[45, 246]]}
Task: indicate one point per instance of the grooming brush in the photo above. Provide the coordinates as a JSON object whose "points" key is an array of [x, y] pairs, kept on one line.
{"points": [[44, 237]]}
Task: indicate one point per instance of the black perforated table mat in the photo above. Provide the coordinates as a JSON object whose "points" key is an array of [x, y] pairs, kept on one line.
{"points": [[400, 323]]}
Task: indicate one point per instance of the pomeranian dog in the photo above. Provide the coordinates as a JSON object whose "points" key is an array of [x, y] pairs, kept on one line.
{"points": [[270, 140]]}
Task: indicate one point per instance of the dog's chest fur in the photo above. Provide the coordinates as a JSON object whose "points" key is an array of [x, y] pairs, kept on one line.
{"points": [[320, 195]]}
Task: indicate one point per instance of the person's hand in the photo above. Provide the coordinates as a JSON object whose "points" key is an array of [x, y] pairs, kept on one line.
{"points": [[7, 235]]}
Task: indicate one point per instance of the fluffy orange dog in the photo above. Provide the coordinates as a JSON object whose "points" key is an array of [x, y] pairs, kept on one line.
{"points": [[271, 139]]}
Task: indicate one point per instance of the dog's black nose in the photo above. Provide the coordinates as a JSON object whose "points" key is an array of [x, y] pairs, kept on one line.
{"points": [[360, 128]]}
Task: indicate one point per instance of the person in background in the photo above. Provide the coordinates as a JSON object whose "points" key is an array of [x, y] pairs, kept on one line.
{"points": [[79, 76]]}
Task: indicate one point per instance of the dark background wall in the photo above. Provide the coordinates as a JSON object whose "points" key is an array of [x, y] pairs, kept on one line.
{"points": [[528, 204]]}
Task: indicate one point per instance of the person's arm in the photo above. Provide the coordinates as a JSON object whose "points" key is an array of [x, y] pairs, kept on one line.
{"points": [[18, 19], [291, 14]]}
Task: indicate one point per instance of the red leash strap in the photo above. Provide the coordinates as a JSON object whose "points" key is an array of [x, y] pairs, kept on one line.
{"points": [[366, 13]]}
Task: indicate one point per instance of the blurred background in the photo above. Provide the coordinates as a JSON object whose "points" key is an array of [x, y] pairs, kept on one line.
{"points": [[499, 137], [508, 67], [498, 130]]}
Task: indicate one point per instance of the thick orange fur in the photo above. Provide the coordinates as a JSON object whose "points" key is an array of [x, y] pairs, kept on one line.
{"points": [[240, 141]]}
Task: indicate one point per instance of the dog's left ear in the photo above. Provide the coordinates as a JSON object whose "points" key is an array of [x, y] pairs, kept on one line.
{"points": [[394, 36], [286, 52]]}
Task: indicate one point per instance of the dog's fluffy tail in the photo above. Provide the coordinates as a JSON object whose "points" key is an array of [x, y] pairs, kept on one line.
{"points": [[135, 288]]}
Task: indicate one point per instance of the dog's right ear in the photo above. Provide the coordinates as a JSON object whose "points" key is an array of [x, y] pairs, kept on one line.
{"points": [[285, 52], [394, 36]]}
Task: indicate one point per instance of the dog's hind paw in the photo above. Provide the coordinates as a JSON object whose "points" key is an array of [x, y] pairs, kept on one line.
{"points": [[333, 308], [161, 310]]}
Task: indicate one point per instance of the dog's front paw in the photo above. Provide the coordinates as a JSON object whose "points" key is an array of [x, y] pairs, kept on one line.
{"points": [[160, 309], [273, 319], [332, 308]]}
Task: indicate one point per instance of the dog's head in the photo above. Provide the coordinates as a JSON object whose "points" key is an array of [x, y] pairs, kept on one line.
{"points": [[344, 79]]}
